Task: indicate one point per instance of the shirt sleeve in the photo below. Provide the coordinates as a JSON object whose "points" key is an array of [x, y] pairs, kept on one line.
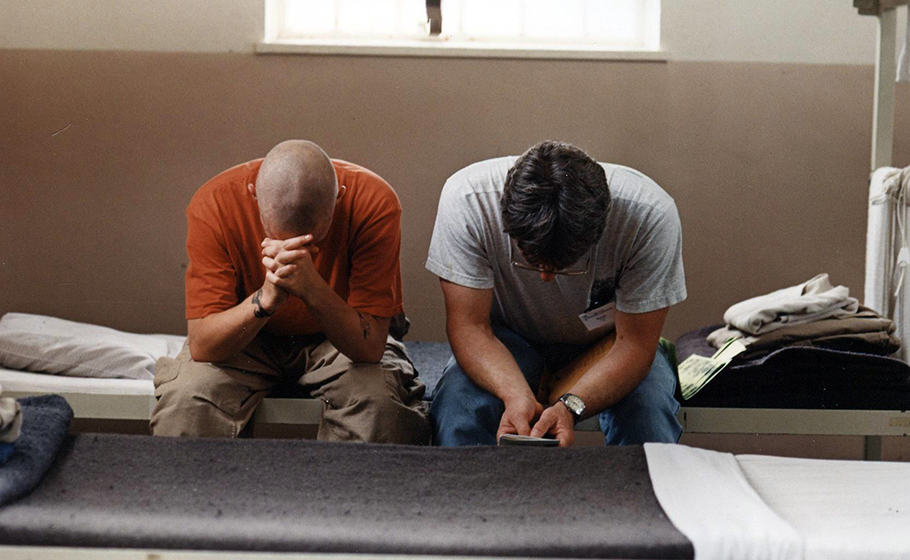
{"points": [[374, 285], [457, 253], [653, 277], [211, 281]]}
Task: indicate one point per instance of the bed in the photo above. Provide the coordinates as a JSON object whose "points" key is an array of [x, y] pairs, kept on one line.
{"points": [[125, 404], [106, 374], [116, 496]]}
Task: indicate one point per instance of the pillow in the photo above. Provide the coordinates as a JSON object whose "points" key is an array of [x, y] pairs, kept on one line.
{"points": [[42, 344]]}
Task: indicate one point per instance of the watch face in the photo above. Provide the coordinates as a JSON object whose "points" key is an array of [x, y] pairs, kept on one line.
{"points": [[574, 402]]}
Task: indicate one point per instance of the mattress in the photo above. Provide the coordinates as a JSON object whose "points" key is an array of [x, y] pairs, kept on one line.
{"points": [[133, 399], [429, 360], [15, 381], [754, 506]]}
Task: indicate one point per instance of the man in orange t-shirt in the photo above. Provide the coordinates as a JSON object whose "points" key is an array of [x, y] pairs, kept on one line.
{"points": [[293, 277]]}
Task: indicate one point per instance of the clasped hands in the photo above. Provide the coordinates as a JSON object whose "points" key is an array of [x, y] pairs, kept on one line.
{"points": [[289, 268], [520, 415]]}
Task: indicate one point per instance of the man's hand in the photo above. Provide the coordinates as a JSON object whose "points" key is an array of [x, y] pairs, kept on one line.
{"points": [[558, 421], [289, 264], [518, 415]]}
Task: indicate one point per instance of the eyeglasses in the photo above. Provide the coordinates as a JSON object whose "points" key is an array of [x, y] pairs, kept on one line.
{"points": [[519, 261]]}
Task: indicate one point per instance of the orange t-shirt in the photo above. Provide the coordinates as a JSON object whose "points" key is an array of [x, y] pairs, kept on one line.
{"points": [[359, 258]]}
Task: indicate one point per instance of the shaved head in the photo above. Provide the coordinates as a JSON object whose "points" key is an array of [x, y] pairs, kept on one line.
{"points": [[296, 189]]}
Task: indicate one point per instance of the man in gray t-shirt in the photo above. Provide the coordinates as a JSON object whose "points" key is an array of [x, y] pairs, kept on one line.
{"points": [[542, 259]]}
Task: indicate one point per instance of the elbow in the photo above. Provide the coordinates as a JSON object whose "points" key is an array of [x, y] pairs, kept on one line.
{"points": [[368, 355], [201, 352]]}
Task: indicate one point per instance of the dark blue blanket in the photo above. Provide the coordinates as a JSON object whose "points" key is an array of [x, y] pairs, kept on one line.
{"points": [[801, 377], [430, 359], [45, 421]]}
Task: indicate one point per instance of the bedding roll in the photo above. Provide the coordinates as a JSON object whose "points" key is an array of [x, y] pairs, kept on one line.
{"points": [[45, 422]]}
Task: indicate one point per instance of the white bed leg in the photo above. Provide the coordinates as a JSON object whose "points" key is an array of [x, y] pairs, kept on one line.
{"points": [[872, 448]]}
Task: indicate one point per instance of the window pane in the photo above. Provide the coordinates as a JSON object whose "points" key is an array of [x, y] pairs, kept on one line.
{"points": [[308, 17], [412, 19], [486, 19], [367, 17], [624, 23], [545, 19], [616, 20], [354, 18]]}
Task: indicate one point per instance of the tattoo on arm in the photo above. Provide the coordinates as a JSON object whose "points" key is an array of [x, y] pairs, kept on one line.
{"points": [[364, 325], [259, 311]]}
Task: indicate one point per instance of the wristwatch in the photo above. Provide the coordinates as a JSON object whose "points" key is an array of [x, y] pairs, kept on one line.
{"points": [[575, 405]]}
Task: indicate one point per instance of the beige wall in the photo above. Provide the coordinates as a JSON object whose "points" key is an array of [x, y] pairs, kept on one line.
{"points": [[157, 25], [807, 31], [102, 150]]}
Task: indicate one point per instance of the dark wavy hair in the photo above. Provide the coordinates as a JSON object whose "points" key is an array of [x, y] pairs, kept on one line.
{"points": [[554, 203]]}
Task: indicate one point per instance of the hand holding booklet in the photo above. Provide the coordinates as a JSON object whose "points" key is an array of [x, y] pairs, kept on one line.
{"points": [[516, 439]]}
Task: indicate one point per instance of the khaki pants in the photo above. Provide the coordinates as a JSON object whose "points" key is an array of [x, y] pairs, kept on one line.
{"points": [[361, 402]]}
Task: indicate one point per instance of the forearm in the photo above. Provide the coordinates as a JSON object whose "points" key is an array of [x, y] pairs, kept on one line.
{"points": [[359, 336], [487, 362], [219, 336], [614, 376]]}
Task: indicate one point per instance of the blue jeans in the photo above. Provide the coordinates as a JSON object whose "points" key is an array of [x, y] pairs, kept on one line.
{"points": [[465, 414]]}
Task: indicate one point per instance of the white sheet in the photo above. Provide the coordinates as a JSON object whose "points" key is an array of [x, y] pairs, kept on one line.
{"points": [[842, 509], [888, 249], [23, 381], [753, 506], [882, 191], [707, 497]]}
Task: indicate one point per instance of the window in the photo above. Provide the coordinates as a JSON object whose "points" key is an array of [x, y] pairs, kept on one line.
{"points": [[498, 25]]}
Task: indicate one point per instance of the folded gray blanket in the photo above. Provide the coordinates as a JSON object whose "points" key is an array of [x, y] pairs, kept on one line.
{"points": [[307, 496], [45, 421]]}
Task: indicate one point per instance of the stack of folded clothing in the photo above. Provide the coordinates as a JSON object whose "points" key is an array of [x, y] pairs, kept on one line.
{"points": [[806, 346], [813, 313], [10, 426]]}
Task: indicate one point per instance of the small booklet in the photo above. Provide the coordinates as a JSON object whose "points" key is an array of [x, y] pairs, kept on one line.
{"points": [[515, 439], [696, 371]]}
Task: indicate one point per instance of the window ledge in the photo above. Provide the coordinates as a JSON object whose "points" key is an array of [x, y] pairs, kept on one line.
{"points": [[439, 48]]}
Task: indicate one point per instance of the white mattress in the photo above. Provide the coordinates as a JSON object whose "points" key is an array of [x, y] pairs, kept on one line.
{"points": [[843, 509], [27, 382], [753, 506]]}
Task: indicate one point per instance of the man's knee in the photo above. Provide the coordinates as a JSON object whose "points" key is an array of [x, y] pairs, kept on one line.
{"points": [[648, 413], [462, 412], [377, 403], [199, 399], [457, 393]]}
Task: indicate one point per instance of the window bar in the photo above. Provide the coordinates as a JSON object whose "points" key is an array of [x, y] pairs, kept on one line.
{"points": [[434, 17]]}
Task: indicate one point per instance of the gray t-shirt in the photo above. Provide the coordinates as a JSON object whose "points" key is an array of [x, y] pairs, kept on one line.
{"points": [[636, 266]]}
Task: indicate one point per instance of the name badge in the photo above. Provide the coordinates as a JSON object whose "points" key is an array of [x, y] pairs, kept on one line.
{"points": [[599, 316]]}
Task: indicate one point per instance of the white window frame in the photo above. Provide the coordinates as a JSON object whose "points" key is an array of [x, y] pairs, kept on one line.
{"points": [[275, 43]]}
